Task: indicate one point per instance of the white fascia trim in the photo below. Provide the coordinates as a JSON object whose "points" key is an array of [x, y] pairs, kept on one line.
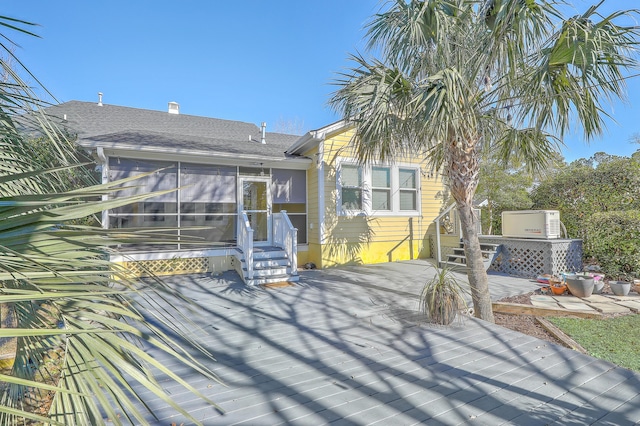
{"points": [[313, 137], [301, 163]]}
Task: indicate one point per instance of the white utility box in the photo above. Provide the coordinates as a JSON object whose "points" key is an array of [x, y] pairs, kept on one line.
{"points": [[542, 224]]}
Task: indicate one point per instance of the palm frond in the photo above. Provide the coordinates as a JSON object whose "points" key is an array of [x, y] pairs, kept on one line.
{"points": [[73, 306]]}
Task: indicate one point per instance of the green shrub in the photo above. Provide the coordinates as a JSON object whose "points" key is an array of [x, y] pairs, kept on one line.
{"points": [[614, 241], [599, 184]]}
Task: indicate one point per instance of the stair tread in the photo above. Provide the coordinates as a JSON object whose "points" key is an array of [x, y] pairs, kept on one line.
{"points": [[458, 250]]}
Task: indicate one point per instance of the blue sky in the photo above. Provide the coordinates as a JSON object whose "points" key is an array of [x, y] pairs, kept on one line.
{"points": [[252, 60]]}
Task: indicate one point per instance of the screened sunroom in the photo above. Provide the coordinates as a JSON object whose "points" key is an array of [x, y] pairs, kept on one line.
{"points": [[204, 200]]}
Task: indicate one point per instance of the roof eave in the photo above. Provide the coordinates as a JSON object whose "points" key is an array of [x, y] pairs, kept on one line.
{"points": [[200, 156], [314, 137]]}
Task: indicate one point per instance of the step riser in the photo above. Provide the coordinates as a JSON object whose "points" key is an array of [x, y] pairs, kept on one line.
{"points": [[262, 255], [272, 263], [269, 266], [259, 281], [270, 272]]}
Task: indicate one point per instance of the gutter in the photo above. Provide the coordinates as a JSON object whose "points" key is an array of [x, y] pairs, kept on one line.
{"points": [[198, 156]]}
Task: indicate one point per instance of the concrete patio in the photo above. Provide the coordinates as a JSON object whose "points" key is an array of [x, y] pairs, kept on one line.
{"points": [[346, 347]]}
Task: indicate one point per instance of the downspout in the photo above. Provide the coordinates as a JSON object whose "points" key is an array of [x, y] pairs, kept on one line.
{"points": [[104, 166], [321, 224]]}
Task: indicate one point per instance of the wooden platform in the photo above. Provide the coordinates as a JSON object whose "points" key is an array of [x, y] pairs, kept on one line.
{"points": [[334, 350]]}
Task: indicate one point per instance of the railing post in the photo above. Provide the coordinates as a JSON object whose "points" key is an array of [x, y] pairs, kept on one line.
{"points": [[285, 236], [245, 242], [438, 252]]}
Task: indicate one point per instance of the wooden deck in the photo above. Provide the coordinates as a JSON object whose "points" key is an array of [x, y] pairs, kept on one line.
{"points": [[346, 347]]}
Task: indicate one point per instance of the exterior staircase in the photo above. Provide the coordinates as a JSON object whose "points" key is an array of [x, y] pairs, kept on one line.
{"points": [[458, 258], [270, 265]]}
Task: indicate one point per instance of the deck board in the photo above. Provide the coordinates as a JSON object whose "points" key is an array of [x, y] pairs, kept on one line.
{"points": [[342, 348]]}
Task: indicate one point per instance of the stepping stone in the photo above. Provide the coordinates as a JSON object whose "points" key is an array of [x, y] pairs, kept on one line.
{"points": [[572, 306], [542, 298], [597, 298], [544, 303], [633, 305], [625, 298], [609, 308], [567, 299]]}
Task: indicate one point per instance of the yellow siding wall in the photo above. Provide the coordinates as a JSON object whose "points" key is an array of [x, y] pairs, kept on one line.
{"points": [[360, 239]]}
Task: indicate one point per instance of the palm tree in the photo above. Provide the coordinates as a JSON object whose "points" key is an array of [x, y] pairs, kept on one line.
{"points": [[82, 325], [459, 79]]}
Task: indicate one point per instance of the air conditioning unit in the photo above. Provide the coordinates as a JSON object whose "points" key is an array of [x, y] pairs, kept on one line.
{"points": [[542, 224]]}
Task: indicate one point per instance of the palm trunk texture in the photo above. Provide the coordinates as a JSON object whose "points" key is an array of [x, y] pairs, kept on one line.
{"points": [[463, 173]]}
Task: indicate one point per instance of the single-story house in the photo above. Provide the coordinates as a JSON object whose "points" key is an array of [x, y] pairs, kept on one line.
{"points": [[263, 203]]}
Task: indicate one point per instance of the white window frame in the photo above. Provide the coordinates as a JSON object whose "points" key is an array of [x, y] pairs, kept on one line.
{"points": [[367, 190], [415, 190], [389, 188], [365, 201]]}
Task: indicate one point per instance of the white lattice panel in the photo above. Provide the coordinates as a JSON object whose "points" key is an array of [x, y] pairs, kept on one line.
{"points": [[530, 258], [176, 266]]}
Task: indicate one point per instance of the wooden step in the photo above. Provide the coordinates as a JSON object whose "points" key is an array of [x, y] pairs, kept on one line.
{"points": [[274, 279], [487, 252]]}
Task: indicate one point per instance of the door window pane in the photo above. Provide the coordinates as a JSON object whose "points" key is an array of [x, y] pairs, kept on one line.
{"points": [[254, 195], [258, 222]]}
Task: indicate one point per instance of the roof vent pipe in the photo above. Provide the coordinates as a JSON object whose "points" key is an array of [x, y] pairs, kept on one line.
{"points": [[174, 108], [264, 133], [99, 98]]}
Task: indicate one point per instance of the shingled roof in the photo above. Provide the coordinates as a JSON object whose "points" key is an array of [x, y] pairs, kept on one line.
{"points": [[125, 128]]}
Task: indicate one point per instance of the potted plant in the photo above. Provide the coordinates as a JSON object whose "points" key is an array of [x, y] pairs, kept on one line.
{"points": [[442, 298], [620, 288], [580, 285], [557, 286]]}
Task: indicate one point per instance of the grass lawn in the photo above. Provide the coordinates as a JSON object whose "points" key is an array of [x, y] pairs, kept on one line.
{"points": [[613, 339]]}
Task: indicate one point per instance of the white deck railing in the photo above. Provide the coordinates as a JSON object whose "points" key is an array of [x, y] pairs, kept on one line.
{"points": [[457, 228], [437, 222], [285, 236], [245, 242]]}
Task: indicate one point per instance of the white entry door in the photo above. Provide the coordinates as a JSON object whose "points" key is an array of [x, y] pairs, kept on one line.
{"points": [[255, 200]]}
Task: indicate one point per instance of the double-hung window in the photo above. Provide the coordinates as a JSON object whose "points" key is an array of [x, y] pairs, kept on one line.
{"points": [[408, 188], [351, 183], [378, 189], [381, 188]]}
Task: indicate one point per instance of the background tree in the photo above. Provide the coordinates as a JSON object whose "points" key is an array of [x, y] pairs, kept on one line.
{"points": [[458, 78], [503, 189], [82, 324], [508, 187], [602, 183]]}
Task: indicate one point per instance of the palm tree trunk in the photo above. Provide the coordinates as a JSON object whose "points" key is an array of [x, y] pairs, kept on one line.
{"points": [[463, 171], [478, 280]]}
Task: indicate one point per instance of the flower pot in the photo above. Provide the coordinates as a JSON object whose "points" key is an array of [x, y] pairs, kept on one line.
{"points": [[558, 290], [636, 286], [598, 286], [580, 285], [620, 288]]}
